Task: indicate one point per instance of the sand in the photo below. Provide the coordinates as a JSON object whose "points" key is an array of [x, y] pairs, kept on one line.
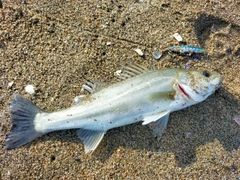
{"points": [[57, 45]]}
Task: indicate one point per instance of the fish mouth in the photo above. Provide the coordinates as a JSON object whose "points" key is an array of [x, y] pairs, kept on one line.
{"points": [[183, 92]]}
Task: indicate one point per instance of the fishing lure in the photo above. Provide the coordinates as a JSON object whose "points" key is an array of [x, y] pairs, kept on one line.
{"points": [[187, 50]]}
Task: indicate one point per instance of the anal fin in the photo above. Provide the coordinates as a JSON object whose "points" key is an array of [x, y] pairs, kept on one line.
{"points": [[90, 138]]}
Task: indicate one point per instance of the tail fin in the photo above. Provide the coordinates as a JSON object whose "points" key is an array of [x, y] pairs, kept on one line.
{"points": [[23, 131]]}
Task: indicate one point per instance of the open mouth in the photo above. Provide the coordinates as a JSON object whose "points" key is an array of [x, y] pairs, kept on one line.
{"points": [[183, 91]]}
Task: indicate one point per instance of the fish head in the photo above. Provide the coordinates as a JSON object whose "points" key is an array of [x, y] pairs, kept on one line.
{"points": [[197, 85]]}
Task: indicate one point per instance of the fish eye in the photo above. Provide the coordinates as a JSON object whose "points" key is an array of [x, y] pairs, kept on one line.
{"points": [[206, 74]]}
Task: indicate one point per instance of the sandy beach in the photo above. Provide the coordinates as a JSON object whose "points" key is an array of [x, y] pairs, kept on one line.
{"points": [[57, 45]]}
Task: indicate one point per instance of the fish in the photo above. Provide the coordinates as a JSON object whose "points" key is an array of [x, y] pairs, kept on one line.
{"points": [[140, 95]]}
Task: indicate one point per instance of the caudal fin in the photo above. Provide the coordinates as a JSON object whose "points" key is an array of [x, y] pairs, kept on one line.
{"points": [[23, 130]]}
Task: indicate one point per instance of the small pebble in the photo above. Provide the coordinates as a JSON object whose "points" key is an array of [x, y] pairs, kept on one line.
{"points": [[237, 119], [177, 37], [188, 134], [29, 89], [187, 66], [157, 55], [139, 51]]}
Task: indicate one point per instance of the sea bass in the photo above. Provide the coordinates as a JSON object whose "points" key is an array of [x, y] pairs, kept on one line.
{"points": [[142, 95]]}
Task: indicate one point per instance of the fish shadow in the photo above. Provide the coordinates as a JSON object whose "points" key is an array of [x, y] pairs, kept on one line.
{"points": [[187, 131], [205, 25], [210, 28]]}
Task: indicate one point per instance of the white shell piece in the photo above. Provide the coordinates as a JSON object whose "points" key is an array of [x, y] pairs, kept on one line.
{"points": [[29, 89], [108, 43], [10, 84], [117, 73], [177, 37], [139, 51]]}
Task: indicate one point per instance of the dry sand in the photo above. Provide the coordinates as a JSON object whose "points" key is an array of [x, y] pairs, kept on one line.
{"points": [[57, 45]]}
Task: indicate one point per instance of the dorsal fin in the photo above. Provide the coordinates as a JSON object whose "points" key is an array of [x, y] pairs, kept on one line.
{"points": [[90, 87], [131, 70], [94, 86]]}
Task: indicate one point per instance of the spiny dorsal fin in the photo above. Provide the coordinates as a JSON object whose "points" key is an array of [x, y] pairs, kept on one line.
{"points": [[131, 70]]}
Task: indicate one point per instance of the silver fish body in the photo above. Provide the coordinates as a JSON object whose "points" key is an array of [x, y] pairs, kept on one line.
{"points": [[143, 95]]}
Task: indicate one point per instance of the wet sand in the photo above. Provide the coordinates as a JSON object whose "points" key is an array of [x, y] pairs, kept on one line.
{"points": [[57, 45]]}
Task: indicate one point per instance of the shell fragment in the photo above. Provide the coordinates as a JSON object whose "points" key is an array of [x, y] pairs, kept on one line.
{"points": [[139, 51], [177, 37]]}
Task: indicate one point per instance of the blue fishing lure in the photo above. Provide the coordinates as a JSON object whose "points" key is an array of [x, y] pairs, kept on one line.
{"points": [[188, 50]]}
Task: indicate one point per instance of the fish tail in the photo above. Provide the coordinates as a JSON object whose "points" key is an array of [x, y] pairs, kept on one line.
{"points": [[23, 129]]}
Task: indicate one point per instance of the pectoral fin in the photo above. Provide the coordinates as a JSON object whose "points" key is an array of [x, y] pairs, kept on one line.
{"points": [[90, 138], [155, 117]]}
